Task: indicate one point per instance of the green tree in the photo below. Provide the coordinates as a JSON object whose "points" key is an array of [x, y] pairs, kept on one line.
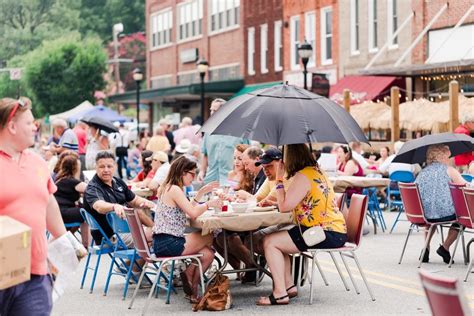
{"points": [[25, 24], [62, 73], [99, 16]]}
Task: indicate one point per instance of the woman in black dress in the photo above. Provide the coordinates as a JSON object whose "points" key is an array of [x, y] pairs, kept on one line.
{"points": [[69, 192]]}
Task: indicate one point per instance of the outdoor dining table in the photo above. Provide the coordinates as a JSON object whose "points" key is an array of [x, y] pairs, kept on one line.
{"points": [[239, 222], [340, 183]]}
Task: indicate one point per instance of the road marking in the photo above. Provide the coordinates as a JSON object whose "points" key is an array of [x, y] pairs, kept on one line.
{"points": [[329, 266]]}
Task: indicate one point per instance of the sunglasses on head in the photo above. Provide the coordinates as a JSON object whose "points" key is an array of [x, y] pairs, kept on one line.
{"points": [[18, 104]]}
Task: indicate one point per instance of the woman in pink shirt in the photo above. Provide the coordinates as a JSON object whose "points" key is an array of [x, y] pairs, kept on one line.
{"points": [[27, 196]]}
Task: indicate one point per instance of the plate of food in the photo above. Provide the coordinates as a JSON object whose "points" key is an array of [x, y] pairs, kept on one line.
{"points": [[264, 208]]}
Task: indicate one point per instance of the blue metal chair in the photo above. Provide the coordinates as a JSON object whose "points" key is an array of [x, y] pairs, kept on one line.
{"points": [[121, 253], [67, 225], [393, 191], [105, 247], [373, 208], [72, 225], [468, 177]]}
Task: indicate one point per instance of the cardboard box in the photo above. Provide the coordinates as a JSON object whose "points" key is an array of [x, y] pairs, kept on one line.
{"points": [[15, 252]]}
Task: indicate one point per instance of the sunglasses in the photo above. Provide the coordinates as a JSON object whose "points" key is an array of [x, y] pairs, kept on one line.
{"points": [[18, 104], [192, 173]]}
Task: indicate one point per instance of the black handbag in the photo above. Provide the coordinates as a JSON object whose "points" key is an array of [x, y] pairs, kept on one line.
{"points": [[121, 151]]}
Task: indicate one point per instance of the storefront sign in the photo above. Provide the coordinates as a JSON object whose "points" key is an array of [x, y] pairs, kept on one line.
{"points": [[188, 55]]}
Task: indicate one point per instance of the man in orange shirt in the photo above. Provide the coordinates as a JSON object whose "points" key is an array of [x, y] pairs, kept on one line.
{"points": [[27, 196], [467, 127]]}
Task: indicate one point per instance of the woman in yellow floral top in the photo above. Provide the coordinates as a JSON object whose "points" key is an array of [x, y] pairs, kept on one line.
{"points": [[311, 198]]}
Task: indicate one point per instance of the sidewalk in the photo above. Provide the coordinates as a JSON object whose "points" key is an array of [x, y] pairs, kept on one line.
{"points": [[396, 287]]}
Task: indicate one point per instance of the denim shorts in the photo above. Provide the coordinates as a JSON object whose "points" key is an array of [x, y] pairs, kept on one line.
{"points": [[165, 245]]}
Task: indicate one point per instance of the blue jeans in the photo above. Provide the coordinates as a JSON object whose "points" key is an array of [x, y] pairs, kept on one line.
{"points": [[165, 245], [28, 298]]}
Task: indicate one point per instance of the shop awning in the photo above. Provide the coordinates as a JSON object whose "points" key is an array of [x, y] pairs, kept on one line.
{"points": [[186, 92], [450, 67], [253, 87], [363, 88]]}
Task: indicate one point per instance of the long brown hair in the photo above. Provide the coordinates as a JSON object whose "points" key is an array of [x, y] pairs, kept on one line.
{"points": [[68, 169], [146, 163], [61, 157], [246, 182], [297, 157], [178, 168]]}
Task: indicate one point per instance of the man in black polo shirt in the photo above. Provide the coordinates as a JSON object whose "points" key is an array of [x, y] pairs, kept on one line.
{"points": [[106, 193]]}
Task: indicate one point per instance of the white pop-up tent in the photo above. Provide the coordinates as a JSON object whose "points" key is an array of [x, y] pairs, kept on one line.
{"points": [[78, 109]]}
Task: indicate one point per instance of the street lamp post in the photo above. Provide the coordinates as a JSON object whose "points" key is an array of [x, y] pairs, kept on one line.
{"points": [[116, 30], [305, 51], [202, 67], [138, 77]]}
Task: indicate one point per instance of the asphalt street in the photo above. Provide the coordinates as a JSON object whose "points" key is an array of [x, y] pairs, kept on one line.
{"points": [[396, 286]]}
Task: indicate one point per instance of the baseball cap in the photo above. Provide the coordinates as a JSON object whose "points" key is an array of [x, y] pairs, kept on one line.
{"points": [[160, 156], [269, 155]]}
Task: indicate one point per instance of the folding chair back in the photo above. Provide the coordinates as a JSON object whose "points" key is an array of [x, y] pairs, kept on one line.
{"points": [[340, 199], [138, 235], [355, 218], [469, 202], [444, 295], [460, 207], [93, 225], [402, 176], [119, 226], [412, 203]]}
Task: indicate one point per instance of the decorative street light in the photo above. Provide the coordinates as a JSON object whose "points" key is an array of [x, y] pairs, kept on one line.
{"points": [[116, 30], [202, 67], [305, 51], [138, 77]]}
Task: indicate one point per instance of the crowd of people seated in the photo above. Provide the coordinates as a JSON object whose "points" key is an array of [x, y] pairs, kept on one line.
{"points": [[182, 169]]}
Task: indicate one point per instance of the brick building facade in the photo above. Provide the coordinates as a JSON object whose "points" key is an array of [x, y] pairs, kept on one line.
{"points": [[263, 44], [255, 42], [316, 22]]}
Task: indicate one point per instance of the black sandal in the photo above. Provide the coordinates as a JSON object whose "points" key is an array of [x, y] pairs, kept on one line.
{"points": [[293, 294], [274, 301], [186, 285]]}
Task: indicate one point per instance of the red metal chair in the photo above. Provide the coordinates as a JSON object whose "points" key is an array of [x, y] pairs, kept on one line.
{"points": [[445, 295], [416, 215], [141, 245], [469, 199], [341, 199], [354, 223], [462, 215], [340, 203], [413, 210]]}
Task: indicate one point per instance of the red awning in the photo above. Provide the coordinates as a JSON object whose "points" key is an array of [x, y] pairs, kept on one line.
{"points": [[363, 88]]}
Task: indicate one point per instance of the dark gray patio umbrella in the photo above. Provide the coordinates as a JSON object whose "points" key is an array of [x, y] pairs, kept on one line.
{"points": [[414, 151], [283, 115], [100, 123]]}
